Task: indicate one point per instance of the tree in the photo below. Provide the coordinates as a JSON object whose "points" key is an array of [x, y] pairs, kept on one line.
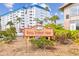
{"points": [[10, 23], [10, 32], [0, 23], [18, 19], [38, 20], [46, 18], [54, 18]]}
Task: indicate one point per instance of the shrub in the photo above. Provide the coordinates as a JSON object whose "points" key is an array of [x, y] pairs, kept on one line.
{"points": [[9, 34], [74, 34], [42, 42], [63, 35], [54, 26], [76, 41]]}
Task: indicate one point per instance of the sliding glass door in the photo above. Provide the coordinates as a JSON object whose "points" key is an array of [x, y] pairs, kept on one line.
{"points": [[74, 25], [77, 26]]}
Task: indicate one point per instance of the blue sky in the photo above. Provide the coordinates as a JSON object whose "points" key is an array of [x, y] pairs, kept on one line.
{"points": [[6, 7]]}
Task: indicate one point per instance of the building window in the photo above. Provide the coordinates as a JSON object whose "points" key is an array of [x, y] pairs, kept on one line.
{"points": [[67, 16], [30, 23], [26, 12], [30, 20], [30, 11], [77, 25], [23, 18], [10, 18], [22, 24], [22, 15], [74, 24], [74, 11], [30, 17], [30, 14], [22, 12]]}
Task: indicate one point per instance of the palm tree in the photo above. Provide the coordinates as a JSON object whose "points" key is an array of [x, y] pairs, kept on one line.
{"points": [[54, 18], [18, 19], [10, 31], [0, 23], [10, 23], [46, 18], [38, 20]]}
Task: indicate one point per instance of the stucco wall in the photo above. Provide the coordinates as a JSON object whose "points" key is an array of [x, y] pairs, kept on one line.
{"points": [[67, 11]]}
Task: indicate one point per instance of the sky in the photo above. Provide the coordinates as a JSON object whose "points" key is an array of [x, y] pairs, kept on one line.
{"points": [[6, 7]]}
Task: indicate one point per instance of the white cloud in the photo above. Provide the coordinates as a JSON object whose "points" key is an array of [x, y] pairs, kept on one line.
{"points": [[56, 13], [10, 9], [34, 3], [9, 6], [60, 21], [61, 13], [43, 5]]}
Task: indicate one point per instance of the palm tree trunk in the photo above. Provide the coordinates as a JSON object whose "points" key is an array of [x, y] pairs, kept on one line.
{"points": [[55, 21]]}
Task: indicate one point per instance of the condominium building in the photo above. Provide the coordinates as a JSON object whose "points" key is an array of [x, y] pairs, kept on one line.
{"points": [[27, 16], [71, 16]]}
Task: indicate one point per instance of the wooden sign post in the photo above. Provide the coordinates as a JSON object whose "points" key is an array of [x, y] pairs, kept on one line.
{"points": [[33, 32]]}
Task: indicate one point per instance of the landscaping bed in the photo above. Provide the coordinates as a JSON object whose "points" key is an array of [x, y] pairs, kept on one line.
{"points": [[18, 48]]}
